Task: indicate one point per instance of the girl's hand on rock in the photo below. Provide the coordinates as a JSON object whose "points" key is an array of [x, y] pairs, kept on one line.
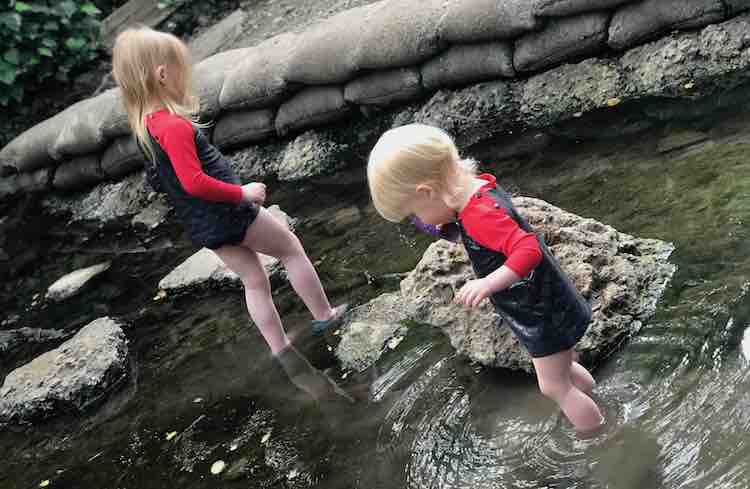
{"points": [[254, 192], [473, 292]]}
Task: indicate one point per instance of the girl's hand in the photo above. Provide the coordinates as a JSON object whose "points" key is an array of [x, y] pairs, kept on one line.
{"points": [[474, 292], [254, 192]]}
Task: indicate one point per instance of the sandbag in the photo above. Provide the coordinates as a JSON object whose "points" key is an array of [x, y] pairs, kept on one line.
{"points": [[209, 76], [83, 131], [237, 128], [400, 33], [562, 39], [485, 20], [464, 64], [29, 150], [122, 157], [328, 52], [385, 87], [311, 107], [114, 122], [257, 80], [80, 172], [645, 20], [571, 7], [734, 7]]}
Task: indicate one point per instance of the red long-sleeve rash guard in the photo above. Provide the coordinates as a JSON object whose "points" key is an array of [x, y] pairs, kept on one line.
{"points": [[176, 136], [493, 228]]}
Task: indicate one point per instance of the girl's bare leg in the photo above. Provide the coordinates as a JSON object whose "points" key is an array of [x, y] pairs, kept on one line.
{"points": [[555, 377], [268, 236], [245, 263]]}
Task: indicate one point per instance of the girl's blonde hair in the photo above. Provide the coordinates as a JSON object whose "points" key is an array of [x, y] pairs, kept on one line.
{"points": [[410, 155], [136, 56]]}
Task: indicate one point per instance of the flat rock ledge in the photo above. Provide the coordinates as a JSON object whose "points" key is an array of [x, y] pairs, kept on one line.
{"points": [[620, 275], [69, 379], [205, 268]]}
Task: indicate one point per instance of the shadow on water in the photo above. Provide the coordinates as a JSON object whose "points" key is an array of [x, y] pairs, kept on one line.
{"points": [[204, 389]]}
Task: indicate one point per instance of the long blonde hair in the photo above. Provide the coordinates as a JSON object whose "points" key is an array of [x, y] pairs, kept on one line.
{"points": [[410, 155], [136, 56]]}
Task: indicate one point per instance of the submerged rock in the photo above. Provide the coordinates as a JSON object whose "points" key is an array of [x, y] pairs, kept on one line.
{"points": [[70, 284], [13, 338], [205, 267], [620, 275], [71, 378]]}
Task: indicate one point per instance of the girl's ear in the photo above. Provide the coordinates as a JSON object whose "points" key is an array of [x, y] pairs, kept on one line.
{"points": [[425, 190], [161, 74]]}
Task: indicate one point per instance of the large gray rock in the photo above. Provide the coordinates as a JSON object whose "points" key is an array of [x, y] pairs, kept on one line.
{"points": [[562, 39], [562, 92], [464, 64], [136, 12], [715, 59], [71, 378], [328, 52], [645, 20], [471, 114], [205, 268], [384, 88], [485, 20], [69, 285], [311, 154], [35, 181], [257, 79], [400, 33], [571, 7], [106, 203], [12, 339], [311, 107], [209, 76], [620, 275], [219, 37]]}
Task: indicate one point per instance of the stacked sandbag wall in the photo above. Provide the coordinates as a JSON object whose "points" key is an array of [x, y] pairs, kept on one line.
{"points": [[394, 52]]}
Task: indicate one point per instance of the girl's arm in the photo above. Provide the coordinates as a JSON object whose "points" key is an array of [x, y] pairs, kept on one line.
{"points": [[495, 229], [178, 141]]}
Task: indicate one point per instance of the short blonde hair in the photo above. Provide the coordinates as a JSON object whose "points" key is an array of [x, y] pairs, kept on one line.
{"points": [[136, 55], [407, 156]]}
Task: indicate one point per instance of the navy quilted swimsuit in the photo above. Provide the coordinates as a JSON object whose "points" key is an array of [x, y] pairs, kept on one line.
{"points": [[544, 310], [209, 224]]}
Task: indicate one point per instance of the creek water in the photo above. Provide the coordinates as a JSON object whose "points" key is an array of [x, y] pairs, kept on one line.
{"points": [[203, 387]]}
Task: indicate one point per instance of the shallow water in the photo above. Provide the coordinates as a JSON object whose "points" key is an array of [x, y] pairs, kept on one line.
{"points": [[676, 396]]}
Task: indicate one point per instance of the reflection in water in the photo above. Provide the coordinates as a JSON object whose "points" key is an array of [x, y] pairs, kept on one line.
{"points": [[309, 379]]}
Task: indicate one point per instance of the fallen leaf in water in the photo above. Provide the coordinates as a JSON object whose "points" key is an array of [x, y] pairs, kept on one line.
{"points": [[689, 85], [337, 332], [197, 400], [578, 114], [394, 342], [234, 446], [171, 435], [265, 438], [345, 375], [293, 474], [614, 101], [218, 467], [44, 483], [329, 347], [160, 295]]}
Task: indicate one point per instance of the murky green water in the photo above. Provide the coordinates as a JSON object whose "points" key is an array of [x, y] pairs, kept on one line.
{"points": [[677, 396]]}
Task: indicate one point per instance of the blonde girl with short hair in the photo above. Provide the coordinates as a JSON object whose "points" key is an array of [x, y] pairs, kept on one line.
{"points": [[153, 71], [415, 170]]}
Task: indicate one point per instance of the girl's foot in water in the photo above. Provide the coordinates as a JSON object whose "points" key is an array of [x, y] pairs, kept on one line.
{"points": [[320, 326]]}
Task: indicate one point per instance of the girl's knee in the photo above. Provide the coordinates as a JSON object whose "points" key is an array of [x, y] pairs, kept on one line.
{"points": [[555, 390]]}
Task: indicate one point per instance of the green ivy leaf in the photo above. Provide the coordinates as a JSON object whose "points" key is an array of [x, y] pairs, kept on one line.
{"points": [[11, 20], [90, 9], [8, 73], [22, 7], [44, 52], [49, 42], [67, 8], [75, 43], [11, 56]]}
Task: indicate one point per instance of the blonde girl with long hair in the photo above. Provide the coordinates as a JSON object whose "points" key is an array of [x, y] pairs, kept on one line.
{"points": [[415, 170], [153, 71]]}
